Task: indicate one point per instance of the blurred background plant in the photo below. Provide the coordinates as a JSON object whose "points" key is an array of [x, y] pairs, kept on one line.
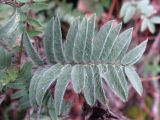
{"points": [[16, 69], [143, 10]]}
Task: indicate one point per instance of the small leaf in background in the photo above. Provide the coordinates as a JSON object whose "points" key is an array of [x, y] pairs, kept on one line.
{"points": [[26, 1], [155, 19], [22, 1], [33, 33], [25, 8], [30, 49], [36, 7], [144, 24], [151, 27], [133, 112], [39, 0], [11, 24], [124, 9], [145, 8], [5, 58], [2, 97], [34, 22], [129, 13], [106, 3], [7, 76], [153, 69]]}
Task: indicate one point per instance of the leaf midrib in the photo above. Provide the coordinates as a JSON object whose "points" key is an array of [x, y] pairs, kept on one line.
{"points": [[93, 63]]}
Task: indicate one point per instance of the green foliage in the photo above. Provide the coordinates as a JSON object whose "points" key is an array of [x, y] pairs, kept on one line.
{"points": [[38, 7], [134, 110], [145, 11], [30, 49], [15, 25], [21, 84], [66, 11], [7, 73], [7, 76], [11, 25], [34, 22], [5, 59], [51, 109], [26, 1], [97, 6], [4, 14], [85, 59], [12, 29]]}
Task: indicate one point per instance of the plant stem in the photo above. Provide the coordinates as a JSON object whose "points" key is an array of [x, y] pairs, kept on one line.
{"points": [[111, 9]]}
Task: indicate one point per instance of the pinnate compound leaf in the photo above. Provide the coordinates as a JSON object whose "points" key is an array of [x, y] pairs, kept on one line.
{"points": [[85, 60]]}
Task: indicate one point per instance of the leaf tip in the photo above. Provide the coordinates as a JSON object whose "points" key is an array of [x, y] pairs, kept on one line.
{"points": [[140, 92], [144, 43]]}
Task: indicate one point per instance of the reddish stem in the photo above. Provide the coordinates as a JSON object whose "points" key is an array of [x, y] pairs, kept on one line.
{"points": [[111, 9]]}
